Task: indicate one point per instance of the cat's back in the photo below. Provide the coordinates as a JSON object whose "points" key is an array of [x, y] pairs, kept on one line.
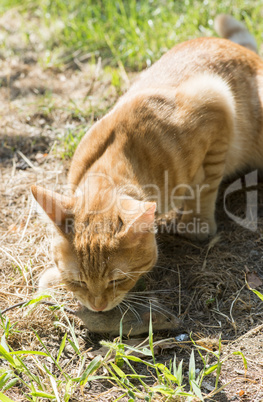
{"points": [[152, 105], [236, 75], [215, 55]]}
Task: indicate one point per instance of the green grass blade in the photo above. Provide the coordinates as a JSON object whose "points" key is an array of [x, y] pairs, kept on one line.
{"points": [[74, 346], [169, 392], [4, 398], [151, 335], [21, 366], [120, 398], [192, 367], [42, 394], [260, 295], [239, 353], [62, 346], [145, 351], [75, 343], [7, 356], [55, 387], [118, 371], [10, 384], [197, 390], [4, 343], [210, 369], [4, 378], [180, 373], [138, 360], [48, 354], [36, 300], [29, 352], [92, 367]]}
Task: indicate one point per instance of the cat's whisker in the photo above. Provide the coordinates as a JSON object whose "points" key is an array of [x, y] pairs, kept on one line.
{"points": [[135, 273], [155, 307], [129, 275], [114, 289], [167, 269], [141, 297], [143, 292], [119, 307], [140, 303], [133, 310]]}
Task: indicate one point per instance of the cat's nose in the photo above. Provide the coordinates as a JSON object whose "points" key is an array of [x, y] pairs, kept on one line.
{"points": [[99, 305]]}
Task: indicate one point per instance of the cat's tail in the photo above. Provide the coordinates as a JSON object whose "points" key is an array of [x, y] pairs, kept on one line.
{"points": [[229, 28]]}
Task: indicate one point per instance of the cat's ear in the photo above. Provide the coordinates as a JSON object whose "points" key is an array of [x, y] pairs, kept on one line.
{"points": [[143, 220], [58, 208]]}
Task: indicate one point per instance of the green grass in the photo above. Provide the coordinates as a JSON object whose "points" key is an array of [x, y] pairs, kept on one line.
{"points": [[68, 141], [133, 33], [126, 34], [163, 381]]}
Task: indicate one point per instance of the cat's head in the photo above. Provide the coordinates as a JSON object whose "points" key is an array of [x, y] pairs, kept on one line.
{"points": [[100, 256]]}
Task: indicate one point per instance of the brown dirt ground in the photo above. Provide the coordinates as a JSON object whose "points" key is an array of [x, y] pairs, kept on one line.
{"points": [[205, 283]]}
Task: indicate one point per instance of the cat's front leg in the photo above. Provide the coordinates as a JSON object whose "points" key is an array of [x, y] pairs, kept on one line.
{"points": [[198, 216], [49, 279], [198, 226]]}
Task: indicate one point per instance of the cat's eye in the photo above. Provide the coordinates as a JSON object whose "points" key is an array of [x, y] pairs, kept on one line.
{"points": [[83, 284], [120, 224], [116, 281], [79, 284]]}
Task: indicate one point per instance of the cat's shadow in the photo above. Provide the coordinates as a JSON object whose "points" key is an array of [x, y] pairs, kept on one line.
{"points": [[199, 281]]}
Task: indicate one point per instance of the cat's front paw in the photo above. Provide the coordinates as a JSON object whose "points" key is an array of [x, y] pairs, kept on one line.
{"points": [[197, 229], [49, 278]]}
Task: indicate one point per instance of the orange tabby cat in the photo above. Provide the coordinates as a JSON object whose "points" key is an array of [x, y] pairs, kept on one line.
{"points": [[191, 119]]}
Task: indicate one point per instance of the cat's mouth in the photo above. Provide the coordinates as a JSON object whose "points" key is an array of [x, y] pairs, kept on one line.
{"points": [[101, 309], [94, 309]]}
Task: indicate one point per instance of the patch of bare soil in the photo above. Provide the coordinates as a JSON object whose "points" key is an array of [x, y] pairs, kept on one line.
{"points": [[204, 284], [244, 384]]}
